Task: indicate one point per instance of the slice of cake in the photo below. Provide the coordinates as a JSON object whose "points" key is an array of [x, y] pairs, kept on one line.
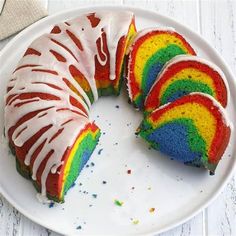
{"points": [[53, 176], [185, 74], [193, 129], [150, 50]]}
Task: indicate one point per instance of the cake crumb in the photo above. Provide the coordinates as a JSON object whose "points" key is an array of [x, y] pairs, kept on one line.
{"points": [[100, 151], [149, 188], [94, 195], [51, 204], [135, 222], [79, 227], [117, 106], [104, 182], [92, 164], [128, 172], [118, 203], [151, 210]]}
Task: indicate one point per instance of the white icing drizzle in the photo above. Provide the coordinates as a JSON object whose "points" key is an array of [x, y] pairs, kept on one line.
{"points": [[89, 34], [102, 62], [63, 120]]}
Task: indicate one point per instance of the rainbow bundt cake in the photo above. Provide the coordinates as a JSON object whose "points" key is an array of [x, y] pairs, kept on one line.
{"points": [[149, 51], [193, 129], [185, 74], [50, 93], [63, 73]]}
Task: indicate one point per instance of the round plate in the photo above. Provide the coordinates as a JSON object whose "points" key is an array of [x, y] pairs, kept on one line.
{"points": [[177, 192]]}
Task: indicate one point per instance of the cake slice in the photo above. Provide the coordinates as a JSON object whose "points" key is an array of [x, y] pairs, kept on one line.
{"points": [[147, 54], [53, 176], [193, 129], [185, 74]]}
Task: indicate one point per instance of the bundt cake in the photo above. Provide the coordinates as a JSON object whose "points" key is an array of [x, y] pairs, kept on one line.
{"points": [[50, 93], [63, 73], [192, 129], [185, 74], [149, 51]]}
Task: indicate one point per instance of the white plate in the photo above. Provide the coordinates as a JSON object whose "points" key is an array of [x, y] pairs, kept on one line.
{"points": [[177, 192]]}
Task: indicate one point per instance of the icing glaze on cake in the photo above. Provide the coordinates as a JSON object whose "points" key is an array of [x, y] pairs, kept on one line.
{"points": [[185, 74], [192, 129], [51, 91]]}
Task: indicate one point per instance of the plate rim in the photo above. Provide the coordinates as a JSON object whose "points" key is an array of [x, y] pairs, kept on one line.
{"points": [[195, 34]]}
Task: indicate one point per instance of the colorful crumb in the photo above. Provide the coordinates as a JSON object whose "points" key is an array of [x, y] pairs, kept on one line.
{"points": [[51, 204], [100, 151], [151, 210], [118, 203], [135, 222]]}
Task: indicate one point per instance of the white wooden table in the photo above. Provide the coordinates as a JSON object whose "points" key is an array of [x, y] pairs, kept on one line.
{"points": [[215, 21]]}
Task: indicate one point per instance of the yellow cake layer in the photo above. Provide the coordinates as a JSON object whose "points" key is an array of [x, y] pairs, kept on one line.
{"points": [[205, 122], [149, 47]]}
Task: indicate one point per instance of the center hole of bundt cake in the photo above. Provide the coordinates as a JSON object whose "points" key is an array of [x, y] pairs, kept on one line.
{"points": [[118, 122]]}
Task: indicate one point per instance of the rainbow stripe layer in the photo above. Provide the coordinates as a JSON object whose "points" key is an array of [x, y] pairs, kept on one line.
{"points": [[183, 75], [150, 50], [104, 84], [77, 157], [74, 159], [193, 129]]}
